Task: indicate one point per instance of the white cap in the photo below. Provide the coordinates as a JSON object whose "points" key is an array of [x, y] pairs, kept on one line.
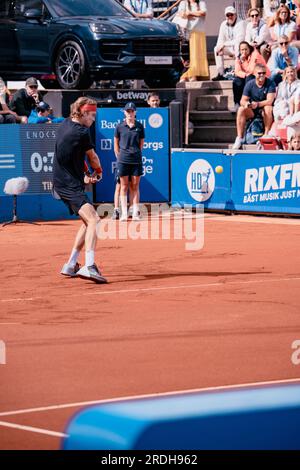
{"points": [[230, 10]]}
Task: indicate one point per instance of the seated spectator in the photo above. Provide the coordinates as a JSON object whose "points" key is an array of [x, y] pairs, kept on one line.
{"points": [[282, 57], [6, 115], [294, 143], [140, 8], [231, 33], [257, 32], [244, 70], [283, 25], [257, 99], [42, 114], [287, 95], [270, 9], [153, 100], [26, 99]]}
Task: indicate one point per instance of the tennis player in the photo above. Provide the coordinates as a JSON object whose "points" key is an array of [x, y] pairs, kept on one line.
{"points": [[73, 143]]}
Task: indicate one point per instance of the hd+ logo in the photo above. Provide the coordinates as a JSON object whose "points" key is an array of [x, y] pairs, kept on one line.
{"points": [[200, 180]]}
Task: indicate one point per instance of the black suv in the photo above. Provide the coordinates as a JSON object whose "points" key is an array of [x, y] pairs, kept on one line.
{"points": [[70, 43]]}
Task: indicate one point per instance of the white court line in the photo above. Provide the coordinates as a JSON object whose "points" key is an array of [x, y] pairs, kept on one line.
{"points": [[150, 395], [152, 289], [20, 427]]}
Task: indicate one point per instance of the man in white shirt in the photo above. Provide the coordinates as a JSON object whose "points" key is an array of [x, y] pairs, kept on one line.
{"points": [[231, 34], [140, 8]]}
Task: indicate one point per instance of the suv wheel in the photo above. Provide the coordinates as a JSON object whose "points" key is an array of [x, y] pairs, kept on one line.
{"points": [[70, 67]]}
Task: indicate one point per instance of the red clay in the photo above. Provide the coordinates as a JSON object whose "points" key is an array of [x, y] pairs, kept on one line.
{"points": [[69, 340]]}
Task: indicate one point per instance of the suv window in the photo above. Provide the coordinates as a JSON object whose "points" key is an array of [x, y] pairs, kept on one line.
{"points": [[20, 6], [4, 8], [88, 8]]}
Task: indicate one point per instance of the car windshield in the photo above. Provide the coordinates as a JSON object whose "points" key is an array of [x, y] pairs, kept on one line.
{"points": [[88, 8]]}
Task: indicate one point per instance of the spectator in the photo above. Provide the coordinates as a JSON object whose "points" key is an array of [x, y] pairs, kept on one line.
{"points": [[281, 58], [6, 115], [153, 100], [286, 98], [195, 12], [257, 32], [26, 99], [140, 8], [231, 33], [244, 70], [294, 143], [257, 99], [283, 25], [43, 115], [270, 9]]}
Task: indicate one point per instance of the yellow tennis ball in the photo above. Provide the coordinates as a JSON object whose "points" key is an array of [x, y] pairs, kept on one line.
{"points": [[219, 169]]}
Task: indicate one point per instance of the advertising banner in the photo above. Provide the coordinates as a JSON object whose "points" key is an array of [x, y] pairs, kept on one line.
{"points": [[201, 177], [266, 182], [154, 186]]}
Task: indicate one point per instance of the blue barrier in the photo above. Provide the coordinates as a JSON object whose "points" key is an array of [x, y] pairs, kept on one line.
{"points": [[28, 150], [258, 418], [264, 182], [154, 185], [195, 181]]}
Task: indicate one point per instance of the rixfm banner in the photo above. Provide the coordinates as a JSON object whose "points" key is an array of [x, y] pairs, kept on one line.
{"points": [[154, 185], [266, 182]]}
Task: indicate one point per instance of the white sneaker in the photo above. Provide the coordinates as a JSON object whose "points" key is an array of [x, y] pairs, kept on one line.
{"points": [[136, 216], [235, 108], [123, 218], [70, 270], [237, 143]]}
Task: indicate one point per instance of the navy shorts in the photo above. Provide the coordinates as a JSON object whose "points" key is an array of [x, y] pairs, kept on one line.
{"points": [[130, 169], [73, 201]]}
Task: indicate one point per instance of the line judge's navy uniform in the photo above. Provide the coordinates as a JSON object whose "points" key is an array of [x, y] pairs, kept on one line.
{"points": [[130, 156]]}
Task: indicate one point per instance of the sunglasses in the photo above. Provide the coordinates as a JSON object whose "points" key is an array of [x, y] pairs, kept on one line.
{"points": [[254, 16], [230, 15], [261, 73], [283, 43]]}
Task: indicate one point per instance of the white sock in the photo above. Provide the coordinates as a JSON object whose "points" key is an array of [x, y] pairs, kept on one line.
{"points": [[135, 210], [89, 257], [74, 257], [123, 200]]}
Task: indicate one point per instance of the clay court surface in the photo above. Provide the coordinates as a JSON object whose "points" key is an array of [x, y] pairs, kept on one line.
{"points": [[169, 319]]}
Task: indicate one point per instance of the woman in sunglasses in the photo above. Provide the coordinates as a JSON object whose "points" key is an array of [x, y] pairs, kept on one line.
{"points": [[257, 32]]}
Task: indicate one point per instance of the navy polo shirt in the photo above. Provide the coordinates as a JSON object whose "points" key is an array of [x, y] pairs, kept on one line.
{"points": [[129, 142], [256, 93]]}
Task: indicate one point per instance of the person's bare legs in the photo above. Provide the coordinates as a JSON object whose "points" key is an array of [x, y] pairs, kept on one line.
{"points": [[268, 118], [135, 183], [91, 219], [117, 196], [243, 115], [71, 267], [123, 196]]}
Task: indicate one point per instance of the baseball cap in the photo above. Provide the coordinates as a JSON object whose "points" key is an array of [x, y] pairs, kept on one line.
{"points": [[231, 10], [43, 106], [31, 81], [130, 105]]}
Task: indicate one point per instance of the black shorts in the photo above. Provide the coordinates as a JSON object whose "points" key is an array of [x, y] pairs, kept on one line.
{"points": [[130, 169], [73, 201]]}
